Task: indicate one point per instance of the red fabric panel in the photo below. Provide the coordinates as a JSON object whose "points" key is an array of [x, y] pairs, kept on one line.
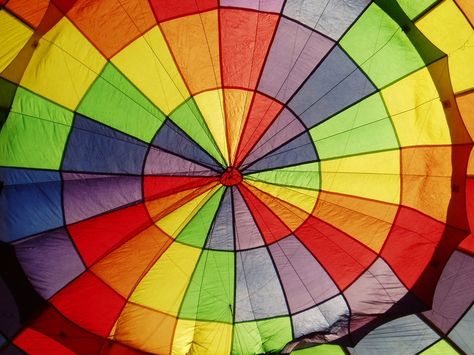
{"points": [[245, 38], [162, 186], [166, 9], [96, 237], [36, 343], [342, 257], [417, 249], [90, 303], [31, 12], [271, 227], [262, 113]]}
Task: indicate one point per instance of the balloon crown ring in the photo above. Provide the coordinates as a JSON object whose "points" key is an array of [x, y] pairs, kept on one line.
{"points": [[231, 176]]}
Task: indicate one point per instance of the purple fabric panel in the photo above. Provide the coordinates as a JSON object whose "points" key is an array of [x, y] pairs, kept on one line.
{"points": [[86, 195], [295, 52], [375, 291], [261, 5], [454, 292], [246, 231], [305, 282], [285, 127], [160, 162], [50, 261]]}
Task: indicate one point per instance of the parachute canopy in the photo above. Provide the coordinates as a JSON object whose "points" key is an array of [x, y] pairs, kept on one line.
{"points": [[236, 176]]}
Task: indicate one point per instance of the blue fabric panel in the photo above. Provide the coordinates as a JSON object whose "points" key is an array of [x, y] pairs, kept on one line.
{"points": [[222, 231], [172, 139], [335, 85], [297, 151], [94, 147], [30, 202]]}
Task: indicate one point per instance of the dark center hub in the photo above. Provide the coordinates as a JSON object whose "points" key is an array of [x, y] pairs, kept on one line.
{"points": [[231, 176]]}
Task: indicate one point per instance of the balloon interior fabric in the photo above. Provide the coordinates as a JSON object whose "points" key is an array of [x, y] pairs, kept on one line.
{"points": [[236, 176]]}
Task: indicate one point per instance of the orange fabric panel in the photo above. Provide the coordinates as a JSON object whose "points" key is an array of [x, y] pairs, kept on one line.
{"points": [[194, 42], [123, 268], [245, 38], [365, 220], [467, 7], [145, 329], [429, 184], [30, 11], [466, 107], [109, 24]]}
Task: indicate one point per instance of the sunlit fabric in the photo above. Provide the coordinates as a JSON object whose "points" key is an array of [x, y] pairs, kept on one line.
{"points": [[236, 176]]}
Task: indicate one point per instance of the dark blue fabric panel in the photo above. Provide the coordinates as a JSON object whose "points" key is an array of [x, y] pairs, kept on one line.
{"points": [[297, 151], [94, 147], [335, 85], [172, 139], [49, 260], [30, 202], [222, 231]]}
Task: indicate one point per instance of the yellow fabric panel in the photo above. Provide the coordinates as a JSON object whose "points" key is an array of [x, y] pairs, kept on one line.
{"points": [[174, 222], [211, 105], [290, 215], [450, 31], [302, 198], [365, 220], [416, 111], [13, 36], [144, 329], [149, 65], [237, 104], [426, 180], [194, 41], [195, 337], [164, 286], [466, 108], [63, 66], [374, 176]]}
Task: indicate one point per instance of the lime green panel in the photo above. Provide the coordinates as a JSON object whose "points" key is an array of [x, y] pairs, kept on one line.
{"points": [[415, 7], [362, 128], [210, 295], [7, 93], [114, 101], [380, 47], [261, 336], [441, 347], [325, 349], [35, 132], [195, 232], [189, 119], [305, 176]]}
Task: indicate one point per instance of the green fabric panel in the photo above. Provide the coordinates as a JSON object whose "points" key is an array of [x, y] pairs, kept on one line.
{"points": [[195, 232], [365, 127], [7, 94], [441, 347], [380, 47], [427, 50], [324, 349], [35, 132], [414, 8], [210, 295], [114, 101], [261, 336], [189, 119], [305, 176]]}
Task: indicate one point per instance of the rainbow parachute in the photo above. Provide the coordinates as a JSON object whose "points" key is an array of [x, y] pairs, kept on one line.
{"points": [[236, 176]]}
